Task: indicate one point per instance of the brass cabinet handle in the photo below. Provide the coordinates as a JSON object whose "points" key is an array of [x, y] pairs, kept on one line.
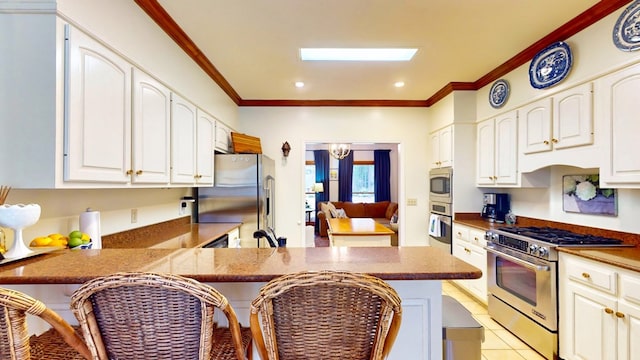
{"points": [[608, 311], [467, 250], [586, 275], [546, 142], [129, 172], [555, 141], [139, 172], [619, 315], [459, 233]]}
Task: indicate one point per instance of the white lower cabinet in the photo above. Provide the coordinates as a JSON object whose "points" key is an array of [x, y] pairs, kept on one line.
{"points": [[599, 310], [468, 245]]}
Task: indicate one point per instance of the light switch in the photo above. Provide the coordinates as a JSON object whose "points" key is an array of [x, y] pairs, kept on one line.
{"points": [[412, 202]]}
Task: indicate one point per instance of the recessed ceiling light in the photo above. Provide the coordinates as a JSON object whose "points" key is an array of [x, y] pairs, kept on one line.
{"points": [[299, 84], [356, 54], [399, 84]]}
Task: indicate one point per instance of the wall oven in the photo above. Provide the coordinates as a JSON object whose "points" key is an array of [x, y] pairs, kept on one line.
{"points": [[440, 226], [440, 182]]}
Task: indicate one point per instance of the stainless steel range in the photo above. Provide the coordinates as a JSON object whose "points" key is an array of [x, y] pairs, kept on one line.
{"points": [[522, 275]]}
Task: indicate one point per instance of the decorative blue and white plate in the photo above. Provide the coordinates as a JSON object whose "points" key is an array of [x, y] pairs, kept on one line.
{"points": [[626, 32], [499, 93], [551, 65]]}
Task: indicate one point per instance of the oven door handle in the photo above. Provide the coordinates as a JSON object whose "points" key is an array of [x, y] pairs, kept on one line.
{"points": [[518, 261]]}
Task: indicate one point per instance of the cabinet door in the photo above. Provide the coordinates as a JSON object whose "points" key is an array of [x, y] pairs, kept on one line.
{"points": [[573, 117], [204, 153], [223, 138], [478, 257], [435, 150], [535, 126], [151, 128], [460, 249], [445, 151], [506, 149], [628, 318], [98, 123], [590, 325], [183, 144], [486, 153], [619, 95]]}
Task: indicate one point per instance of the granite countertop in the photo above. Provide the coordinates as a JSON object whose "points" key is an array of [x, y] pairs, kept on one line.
{"points": [[237, 264], [172, 235], [627, 258], [624, 257]]}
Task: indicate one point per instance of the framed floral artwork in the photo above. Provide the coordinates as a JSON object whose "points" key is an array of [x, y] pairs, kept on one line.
{"points": [[582, 194], [333, 174]]}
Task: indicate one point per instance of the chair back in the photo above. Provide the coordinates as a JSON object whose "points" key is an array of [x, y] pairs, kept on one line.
{"points": [[15, 337], [325, 315], [151, 316]]}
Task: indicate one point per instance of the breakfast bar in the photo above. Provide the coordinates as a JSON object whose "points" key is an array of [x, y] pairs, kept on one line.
{"points": [[415, 272]]}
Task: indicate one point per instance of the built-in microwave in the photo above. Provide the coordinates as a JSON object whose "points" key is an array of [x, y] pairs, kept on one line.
{"points": [[440, 181]]}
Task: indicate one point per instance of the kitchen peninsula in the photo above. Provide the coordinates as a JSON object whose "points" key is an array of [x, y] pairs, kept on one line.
{"points": [[415, 272]]}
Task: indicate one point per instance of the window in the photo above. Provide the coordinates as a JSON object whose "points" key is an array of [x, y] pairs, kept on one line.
{"points": [[363, 182], [309, 181]]}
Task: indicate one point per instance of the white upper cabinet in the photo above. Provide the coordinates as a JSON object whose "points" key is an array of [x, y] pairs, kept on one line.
{"points": [[573, 117], [562, 121], [206, 128], [98, 123], [183, 140], [619, 101], [191, 143], [151, 129], [497, 151], [223, 138], [535, 125], [442, 147]]}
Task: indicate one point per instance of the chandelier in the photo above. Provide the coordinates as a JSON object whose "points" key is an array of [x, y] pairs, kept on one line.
{"points": [[339, 151]]}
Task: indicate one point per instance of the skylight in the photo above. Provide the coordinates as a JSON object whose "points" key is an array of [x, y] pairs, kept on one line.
{"points": [[356, 54]]}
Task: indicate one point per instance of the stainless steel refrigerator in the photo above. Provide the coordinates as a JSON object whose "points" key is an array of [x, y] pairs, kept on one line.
{"points": [[243, 191]]}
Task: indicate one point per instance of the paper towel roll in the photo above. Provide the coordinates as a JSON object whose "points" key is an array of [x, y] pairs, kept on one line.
{"points": [[90, 224]]}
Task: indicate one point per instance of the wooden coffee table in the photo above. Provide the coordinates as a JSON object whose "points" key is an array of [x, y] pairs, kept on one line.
{"points": [[358, 232]]}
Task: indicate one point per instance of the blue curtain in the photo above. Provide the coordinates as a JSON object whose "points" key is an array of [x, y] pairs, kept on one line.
{"points": [[382, 171], [345, 176], [321, 159]]}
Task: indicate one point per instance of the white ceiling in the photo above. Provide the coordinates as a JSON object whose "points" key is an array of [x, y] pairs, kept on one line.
{"points": [[254, 44]]}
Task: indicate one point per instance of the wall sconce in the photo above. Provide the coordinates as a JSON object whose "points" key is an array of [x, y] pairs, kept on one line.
{"points": [[285, 149]]}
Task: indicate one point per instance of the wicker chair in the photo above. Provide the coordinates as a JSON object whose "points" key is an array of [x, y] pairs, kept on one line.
{"points": [[59, 342], [325, 315], [156, 316]]}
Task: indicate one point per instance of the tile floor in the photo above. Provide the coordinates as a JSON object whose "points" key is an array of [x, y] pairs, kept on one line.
{"points": [[499, 344]]}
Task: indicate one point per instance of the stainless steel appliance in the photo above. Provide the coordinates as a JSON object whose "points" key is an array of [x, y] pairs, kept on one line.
{"points": [[440, 226], [495, 207], [440, 183], [243, 191], [522, 275]]}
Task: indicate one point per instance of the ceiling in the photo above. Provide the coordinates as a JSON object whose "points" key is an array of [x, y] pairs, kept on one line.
{"points": [[251, 47]]}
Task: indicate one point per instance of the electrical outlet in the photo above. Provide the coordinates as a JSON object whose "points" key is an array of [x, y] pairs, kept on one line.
{"points": [[412, 202], [134, 216]]}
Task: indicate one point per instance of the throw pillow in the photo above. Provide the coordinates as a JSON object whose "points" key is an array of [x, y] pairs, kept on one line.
{"points": [[325, 209], [332, 210], [394, 218], [341, 214]]}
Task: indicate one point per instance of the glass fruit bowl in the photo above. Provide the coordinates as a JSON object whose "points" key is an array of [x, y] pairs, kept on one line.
{"points": [[18, 217]]}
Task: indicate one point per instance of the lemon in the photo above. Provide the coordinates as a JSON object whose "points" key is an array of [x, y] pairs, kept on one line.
{"points": [[85, 238], [58, 243], [55, 236], [41, 241]]}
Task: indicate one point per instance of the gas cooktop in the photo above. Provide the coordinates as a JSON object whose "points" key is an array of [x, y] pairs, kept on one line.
{"points": [[560, 237]]}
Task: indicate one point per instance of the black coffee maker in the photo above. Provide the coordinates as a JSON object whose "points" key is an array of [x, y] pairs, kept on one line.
{"points": [[496, 206]]}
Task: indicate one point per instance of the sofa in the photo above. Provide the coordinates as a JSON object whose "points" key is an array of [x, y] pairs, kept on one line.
{"points": [[382, 211]]}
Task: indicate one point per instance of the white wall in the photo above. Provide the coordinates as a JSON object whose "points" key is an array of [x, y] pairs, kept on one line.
{"points": [[594, 55], [301, 125]]}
